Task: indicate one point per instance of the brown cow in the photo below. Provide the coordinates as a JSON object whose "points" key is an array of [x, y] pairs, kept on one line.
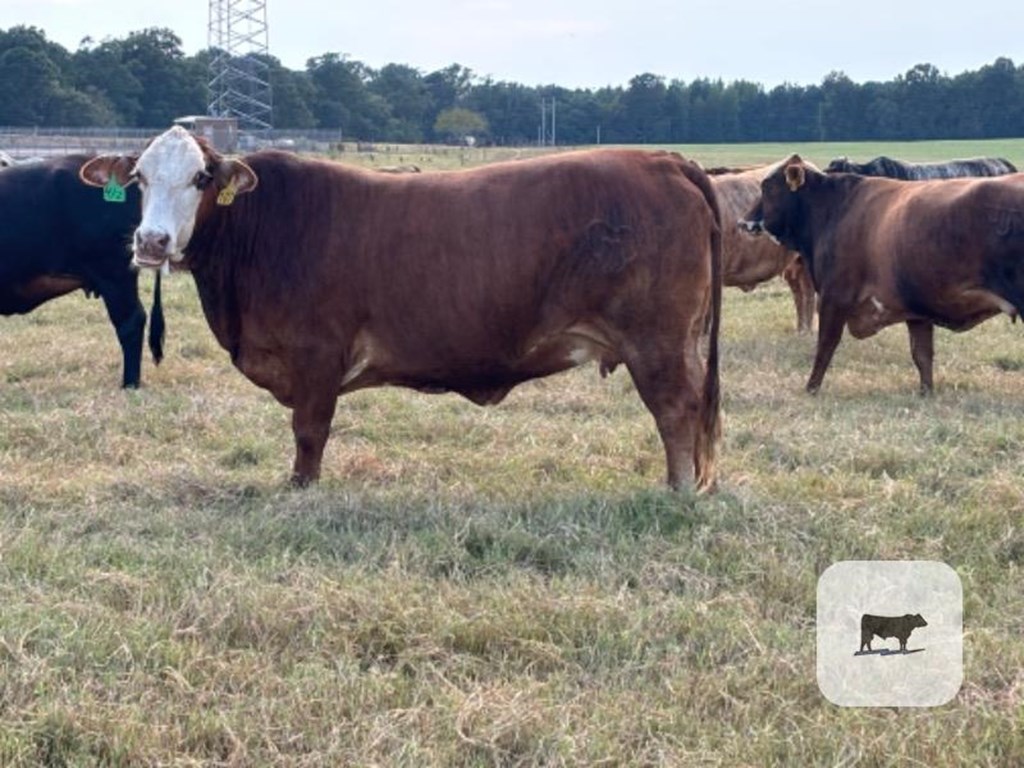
{"points": [[748, 261], [321, 279], [881, 251]]}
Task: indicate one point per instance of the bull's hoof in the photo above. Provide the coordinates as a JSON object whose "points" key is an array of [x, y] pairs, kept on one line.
{"points": [[300, 481]]}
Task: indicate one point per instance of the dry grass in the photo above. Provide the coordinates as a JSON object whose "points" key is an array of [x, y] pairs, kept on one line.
{"points": [[474, 587]]}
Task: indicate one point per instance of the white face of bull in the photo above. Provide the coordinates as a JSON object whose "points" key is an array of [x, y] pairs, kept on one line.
{"points": [[172, 175]]}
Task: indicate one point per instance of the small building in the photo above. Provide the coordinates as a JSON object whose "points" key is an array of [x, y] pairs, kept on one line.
{"points": [[221, 132]]}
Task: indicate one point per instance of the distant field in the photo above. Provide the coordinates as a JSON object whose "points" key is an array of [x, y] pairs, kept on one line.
{"points": [[493, 587], [448, 158]]}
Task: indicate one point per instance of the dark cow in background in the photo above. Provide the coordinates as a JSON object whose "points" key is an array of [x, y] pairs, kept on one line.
{"points": [[321, 279], [898, 169], [880, 251], [749, 261], [885, 627], [58, 236]]}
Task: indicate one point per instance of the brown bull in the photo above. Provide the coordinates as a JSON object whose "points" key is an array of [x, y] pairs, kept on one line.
{"points": [[881, 251], [749, 261], [321, 279]]}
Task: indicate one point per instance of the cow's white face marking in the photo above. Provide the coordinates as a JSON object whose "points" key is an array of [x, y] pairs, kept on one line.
{"points": [[167, 173]]}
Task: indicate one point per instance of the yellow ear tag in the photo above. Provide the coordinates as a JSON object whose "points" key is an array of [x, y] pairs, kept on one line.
{"points": [[227, 195]]}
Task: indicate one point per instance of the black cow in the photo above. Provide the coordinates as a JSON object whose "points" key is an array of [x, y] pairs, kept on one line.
{"points": [[899, 627], [59, 235], [898, 169]]}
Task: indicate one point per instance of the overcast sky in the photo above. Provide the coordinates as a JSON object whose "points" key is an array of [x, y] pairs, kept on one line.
{"points": [[588, 43]]}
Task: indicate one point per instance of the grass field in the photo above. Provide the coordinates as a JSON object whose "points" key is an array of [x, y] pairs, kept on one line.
{"points": [[448, 158], [507, 586]]}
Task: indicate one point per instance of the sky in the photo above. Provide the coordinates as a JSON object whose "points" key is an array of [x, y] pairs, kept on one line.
{"points": [[587, 43]]}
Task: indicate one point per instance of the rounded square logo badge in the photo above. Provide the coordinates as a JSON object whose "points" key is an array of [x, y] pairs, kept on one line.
{"points": [[890, 633]]}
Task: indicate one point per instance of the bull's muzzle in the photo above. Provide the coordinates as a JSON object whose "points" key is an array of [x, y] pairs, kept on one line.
{"points": [[151, 249]]}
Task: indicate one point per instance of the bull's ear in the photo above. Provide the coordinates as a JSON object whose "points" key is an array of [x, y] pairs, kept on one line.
{"points": [[233, 177], [795, 177], [99, 171]]}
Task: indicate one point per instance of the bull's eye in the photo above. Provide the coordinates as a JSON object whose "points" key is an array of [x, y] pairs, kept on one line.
{"points": [[202, 179]]}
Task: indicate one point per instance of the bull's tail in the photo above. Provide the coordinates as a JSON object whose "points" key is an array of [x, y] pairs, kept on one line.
{"points": [[156, 324], [710, 426]]}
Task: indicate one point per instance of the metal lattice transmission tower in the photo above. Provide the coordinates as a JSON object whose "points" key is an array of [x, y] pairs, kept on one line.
{"points": [[239, 74]]}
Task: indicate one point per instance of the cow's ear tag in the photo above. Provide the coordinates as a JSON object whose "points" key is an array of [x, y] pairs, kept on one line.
{"points": [[113, 192], [227, 195]]}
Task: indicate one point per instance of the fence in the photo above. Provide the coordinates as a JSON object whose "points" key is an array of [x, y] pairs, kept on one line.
{"points": [[23, 143]]}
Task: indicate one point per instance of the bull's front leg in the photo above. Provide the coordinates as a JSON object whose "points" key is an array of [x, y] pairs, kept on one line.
{"points": [[922, 350], [830, 330], [311, 425]]}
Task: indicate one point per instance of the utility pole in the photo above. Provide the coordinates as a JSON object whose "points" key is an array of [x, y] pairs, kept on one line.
{"points": [[548, 122]]}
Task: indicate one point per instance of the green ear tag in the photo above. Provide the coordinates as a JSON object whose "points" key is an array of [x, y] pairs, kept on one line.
{"points": [[227, 195], [113, 192]]}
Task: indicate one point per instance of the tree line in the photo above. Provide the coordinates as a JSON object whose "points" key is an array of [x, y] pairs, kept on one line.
{"points": [[145, 80]]}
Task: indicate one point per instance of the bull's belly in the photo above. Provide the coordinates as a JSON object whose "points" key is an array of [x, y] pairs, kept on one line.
{"points": [[959, 311], [485, 379], [268, 369], [748, 275], [872, 314], [25, 296]]}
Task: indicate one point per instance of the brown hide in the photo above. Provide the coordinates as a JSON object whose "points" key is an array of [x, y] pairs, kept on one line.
{"points": [[948, 252], [748, 261], [326, 279]]}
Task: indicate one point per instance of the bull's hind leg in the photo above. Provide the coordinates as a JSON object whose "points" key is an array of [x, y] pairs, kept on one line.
{"points": [[670, 383]]}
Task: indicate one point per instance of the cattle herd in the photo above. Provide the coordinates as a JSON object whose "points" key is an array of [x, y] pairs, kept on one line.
{"points": [[320, 279]]}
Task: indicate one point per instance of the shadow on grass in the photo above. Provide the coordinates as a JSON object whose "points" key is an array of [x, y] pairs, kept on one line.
{"points": [[441, 537], [889, 652]]}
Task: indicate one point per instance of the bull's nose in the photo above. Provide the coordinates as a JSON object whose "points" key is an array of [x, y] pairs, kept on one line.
{"points": [[151, 241], [151, 248]]}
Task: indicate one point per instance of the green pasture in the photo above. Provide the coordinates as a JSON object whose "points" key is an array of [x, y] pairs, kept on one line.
{"points": [[507, 586], [449, 158]]}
